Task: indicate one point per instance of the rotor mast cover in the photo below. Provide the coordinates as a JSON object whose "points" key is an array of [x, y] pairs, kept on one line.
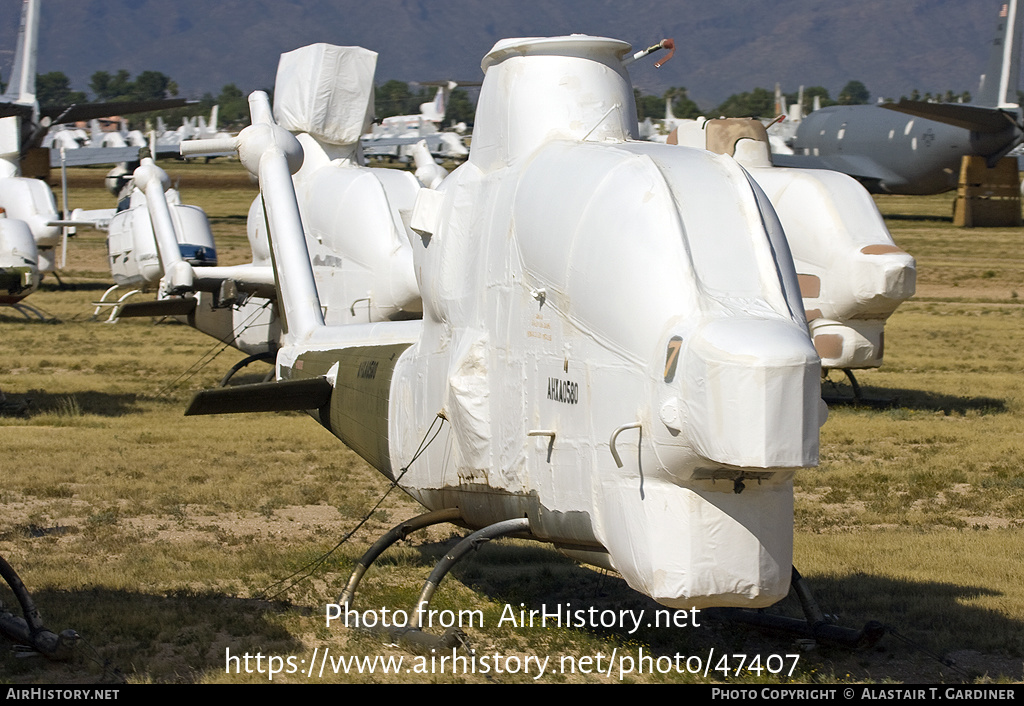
{"points": [[537, 89], [326, 91]]}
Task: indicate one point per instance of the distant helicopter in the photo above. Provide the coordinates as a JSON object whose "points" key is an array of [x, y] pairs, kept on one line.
{"points": [[357, 240], [852, 275]]}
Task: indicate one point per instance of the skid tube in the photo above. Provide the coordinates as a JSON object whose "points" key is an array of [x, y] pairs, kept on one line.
{"points": [[30, 631], [814, 625], [413, 634], [267, 357]]}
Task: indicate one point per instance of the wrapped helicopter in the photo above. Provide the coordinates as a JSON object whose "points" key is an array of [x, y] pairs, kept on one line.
{"points": [[612, 355], [852, 275]]}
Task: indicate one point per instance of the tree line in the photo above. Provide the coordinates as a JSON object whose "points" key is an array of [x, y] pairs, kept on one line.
{"points": [[400, 98], [391, 98], [760, 102]]}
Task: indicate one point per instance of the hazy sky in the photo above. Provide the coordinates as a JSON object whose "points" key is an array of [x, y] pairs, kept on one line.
{"points": [[893, 46]]}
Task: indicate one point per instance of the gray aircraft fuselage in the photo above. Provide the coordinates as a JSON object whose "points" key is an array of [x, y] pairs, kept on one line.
{"points": [[890, 152]]}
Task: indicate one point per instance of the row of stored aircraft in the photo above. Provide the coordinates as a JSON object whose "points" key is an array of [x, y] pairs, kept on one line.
{"points": [[30, 223], [608, 336], [396, 135]]}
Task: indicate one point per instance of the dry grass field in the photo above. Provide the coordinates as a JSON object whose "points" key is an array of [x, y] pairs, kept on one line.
{"points": [[170, 542]]}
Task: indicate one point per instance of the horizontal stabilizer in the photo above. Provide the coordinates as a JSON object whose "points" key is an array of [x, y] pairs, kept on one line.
{"points": [[968, 117], [184, 306], [282, 396]]}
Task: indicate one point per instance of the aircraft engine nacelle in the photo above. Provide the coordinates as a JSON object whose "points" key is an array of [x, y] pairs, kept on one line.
{"points": [[19, 274], [132, 246], [626, 355]]}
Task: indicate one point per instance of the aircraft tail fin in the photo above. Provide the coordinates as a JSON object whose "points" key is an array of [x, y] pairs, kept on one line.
{"points": [[1001, 80], [435, 110], [21, 88], [796, 111], [994, 109]]}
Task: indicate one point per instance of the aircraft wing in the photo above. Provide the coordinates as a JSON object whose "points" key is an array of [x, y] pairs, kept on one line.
{"points": [[94, 155], [111, 155], [255, 279], [89, 111], [857, 166], [167, 150], [98, 218], [968, 117], [377, 145]]}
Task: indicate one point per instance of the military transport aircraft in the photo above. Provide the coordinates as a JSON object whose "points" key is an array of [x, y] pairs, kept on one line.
{"points": [[915, 147]]}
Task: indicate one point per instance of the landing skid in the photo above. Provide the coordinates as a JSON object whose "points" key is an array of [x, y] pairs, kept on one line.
{"points": [[30, 631], [413, 633], [115, 306], [849, 376], [857, 399], [28, 311], [814, 626], [268, 357]]}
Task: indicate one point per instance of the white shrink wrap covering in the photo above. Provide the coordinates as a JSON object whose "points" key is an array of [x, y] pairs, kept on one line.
{"points": [[851, 273], [326, 91]]}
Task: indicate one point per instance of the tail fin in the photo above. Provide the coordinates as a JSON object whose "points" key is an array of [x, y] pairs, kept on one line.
{"points": [[995, 110], [435, 110], [1000, 82], [796, 111], [21, 88]]}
